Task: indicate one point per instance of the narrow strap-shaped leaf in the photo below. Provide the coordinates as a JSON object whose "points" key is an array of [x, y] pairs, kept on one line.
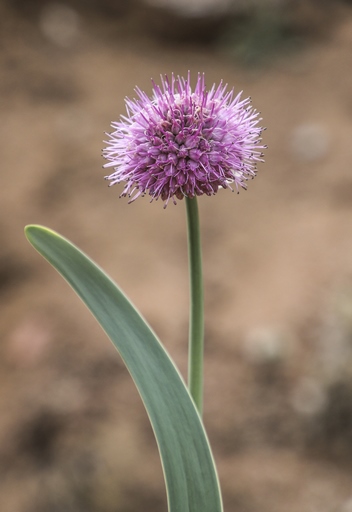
{"points": [[190, 474]]}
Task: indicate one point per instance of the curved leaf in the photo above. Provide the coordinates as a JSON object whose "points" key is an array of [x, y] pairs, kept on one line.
{"points": [[190, 475]]}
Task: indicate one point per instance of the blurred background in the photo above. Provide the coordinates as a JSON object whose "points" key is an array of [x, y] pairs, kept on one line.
{"points": [[74, 436]]}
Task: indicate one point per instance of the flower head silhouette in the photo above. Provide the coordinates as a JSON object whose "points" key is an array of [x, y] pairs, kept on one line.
{"points": [[184, 142]]}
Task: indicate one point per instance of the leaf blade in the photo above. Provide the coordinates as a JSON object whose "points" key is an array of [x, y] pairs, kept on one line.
{"points": [[188, 466]]}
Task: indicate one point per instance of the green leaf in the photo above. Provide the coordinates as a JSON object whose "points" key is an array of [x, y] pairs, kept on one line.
{"points": [[189, 470]]}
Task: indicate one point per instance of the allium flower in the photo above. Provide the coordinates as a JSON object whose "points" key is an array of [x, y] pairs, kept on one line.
{"points": [[184, 143]]}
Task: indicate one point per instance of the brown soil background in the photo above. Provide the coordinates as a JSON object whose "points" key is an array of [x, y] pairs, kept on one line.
{"points": [[278, 275]]}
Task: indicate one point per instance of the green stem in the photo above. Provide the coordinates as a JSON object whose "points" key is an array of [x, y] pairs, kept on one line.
{"points": [[196, 323]]}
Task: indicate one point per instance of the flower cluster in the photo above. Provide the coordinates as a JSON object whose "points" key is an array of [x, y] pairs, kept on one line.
{"points": [[182, 142]]}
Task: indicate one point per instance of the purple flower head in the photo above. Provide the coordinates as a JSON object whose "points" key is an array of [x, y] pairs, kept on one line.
{"points": [[182, 142]]}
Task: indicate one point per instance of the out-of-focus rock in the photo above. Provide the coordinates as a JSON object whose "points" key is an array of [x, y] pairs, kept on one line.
{"points": [[309, 397], [60, 24], [347, 506], [325, 401], [310, 142], [28, 342], [266, 345], [334, 344]]}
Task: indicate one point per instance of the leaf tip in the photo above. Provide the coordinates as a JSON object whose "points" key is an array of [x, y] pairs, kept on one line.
{"points": [[33, 231]]}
